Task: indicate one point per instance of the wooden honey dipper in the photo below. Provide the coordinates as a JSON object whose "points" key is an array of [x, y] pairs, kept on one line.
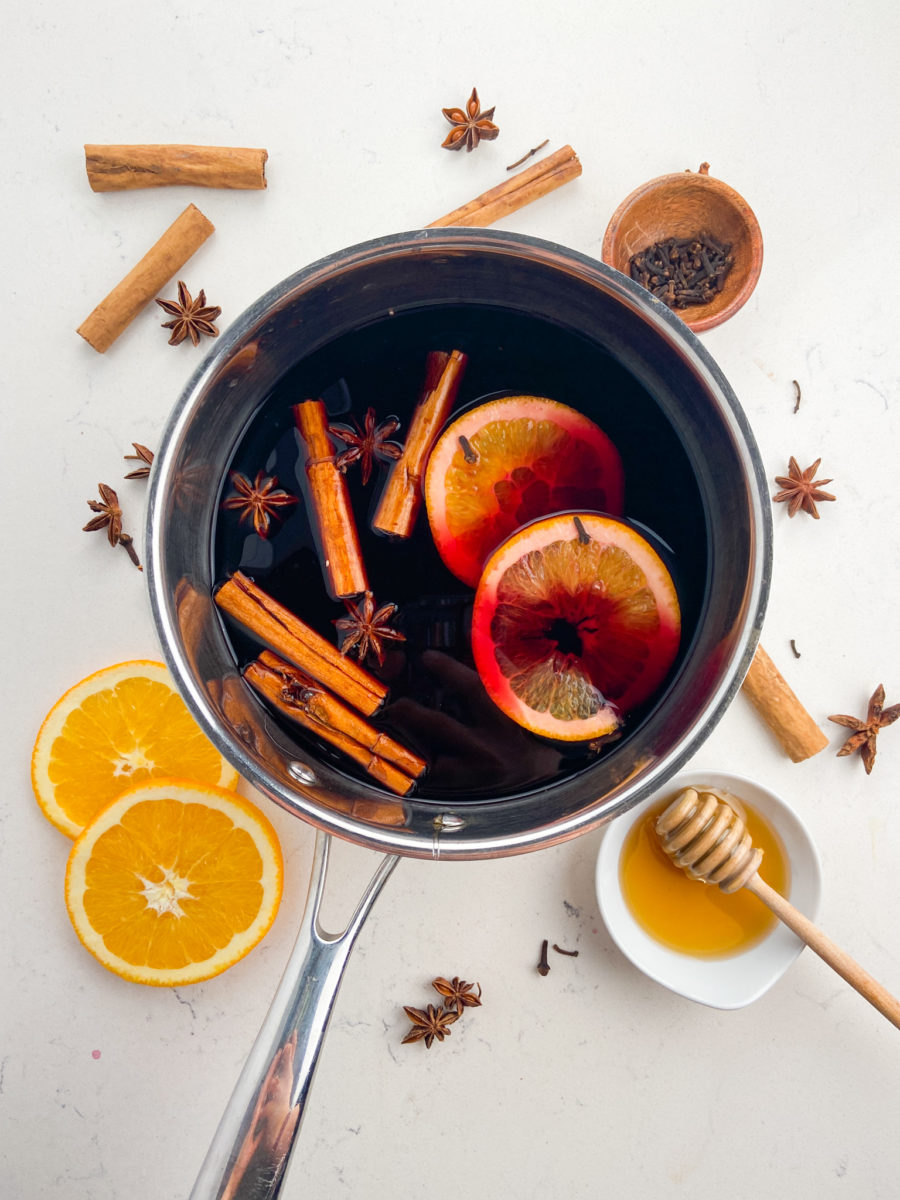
{"points": [[702, 834]]}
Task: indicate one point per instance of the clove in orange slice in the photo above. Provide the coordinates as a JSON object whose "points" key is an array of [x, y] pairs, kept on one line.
{"points": [[576, 622]]}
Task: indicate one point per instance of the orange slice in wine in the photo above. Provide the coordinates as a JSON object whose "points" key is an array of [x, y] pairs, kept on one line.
{"points": [[576, 623], [508, 462]]}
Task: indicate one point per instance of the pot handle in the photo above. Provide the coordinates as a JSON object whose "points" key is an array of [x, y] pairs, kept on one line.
{"points": [[249, 1154]]}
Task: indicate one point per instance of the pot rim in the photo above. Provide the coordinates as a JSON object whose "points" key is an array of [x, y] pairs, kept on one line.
{"points": [[446, 837]]}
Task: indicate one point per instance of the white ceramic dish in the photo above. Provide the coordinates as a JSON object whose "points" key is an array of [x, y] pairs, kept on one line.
{"points": [[739, 979]]}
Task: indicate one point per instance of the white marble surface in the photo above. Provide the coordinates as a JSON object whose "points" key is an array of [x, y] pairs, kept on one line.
{"points": [[592, 1081]]}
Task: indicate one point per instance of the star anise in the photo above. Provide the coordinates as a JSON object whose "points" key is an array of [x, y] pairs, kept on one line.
{"points": [[191, 317], [801, 490], [457, 993], [470, 125], [429, 1023], [142, 454], [109, 517], [258, 500], [366, 628], [864, 739], [366, 444]]}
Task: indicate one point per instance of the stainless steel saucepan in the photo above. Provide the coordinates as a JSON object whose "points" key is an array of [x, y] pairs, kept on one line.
{"points": [[377, 287]]}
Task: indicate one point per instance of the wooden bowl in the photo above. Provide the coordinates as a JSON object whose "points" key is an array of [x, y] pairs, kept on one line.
{"points": [[681, 205]]}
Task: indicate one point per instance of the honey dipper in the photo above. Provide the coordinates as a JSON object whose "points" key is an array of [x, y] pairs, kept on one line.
{"points": [[702, 833]]}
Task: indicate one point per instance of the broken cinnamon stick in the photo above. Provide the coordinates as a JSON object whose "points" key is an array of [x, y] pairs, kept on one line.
{"points": [[785, 716], [514, 193], [231, 698], [114, 314], [280, 630], [328, 502], [401, 498], [123, 168], [328, 710], [306, 712]]}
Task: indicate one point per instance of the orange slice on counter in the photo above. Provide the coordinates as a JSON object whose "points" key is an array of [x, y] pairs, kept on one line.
{"points": [[123, 725], [508, 462], [174, 882], [576, 622]]}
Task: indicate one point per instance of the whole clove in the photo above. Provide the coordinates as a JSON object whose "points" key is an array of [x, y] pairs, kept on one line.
{"points": [[470, 454], [683, 271], [543, 966]]}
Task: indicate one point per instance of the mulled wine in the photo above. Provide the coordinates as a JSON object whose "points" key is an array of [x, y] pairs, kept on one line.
{"points": [[437, 706]]}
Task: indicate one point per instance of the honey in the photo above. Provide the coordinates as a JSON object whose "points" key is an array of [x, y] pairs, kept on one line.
{"points": [[693, 917]]}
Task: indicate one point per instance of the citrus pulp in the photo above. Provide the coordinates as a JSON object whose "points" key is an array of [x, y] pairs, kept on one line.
{"points": [[122, 725], [510, 461], [576, 622], [173, 882]]}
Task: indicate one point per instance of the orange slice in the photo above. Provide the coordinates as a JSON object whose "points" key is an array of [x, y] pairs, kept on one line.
{"points": [[174, 882], [576, 622], [508, 462], [120, 726]]}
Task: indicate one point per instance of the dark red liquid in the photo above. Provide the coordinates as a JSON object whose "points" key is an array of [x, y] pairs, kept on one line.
{"points": [[437, 705]]}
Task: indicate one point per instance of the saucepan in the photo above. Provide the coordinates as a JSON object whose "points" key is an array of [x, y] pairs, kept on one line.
{"points": [[533, 317]]}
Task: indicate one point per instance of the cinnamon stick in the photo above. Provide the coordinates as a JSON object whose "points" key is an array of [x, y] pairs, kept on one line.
{"points": [[328, 502], [514, 193], [123, 168], [785, 716], [279, 629], [270, 684], [114, 314], [401, 498], [328, 710], [230, 695]]}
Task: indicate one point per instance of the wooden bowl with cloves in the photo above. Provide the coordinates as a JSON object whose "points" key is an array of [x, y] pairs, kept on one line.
{"points": [[690, 240]]}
